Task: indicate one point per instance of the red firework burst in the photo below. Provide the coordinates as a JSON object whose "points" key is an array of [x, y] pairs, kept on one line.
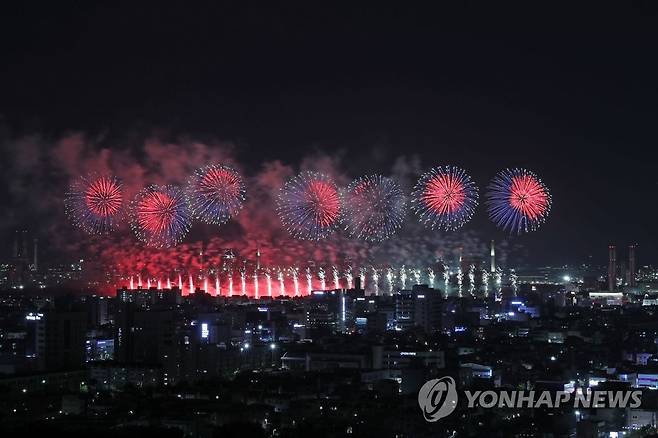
{"points": [[216, 193], [161, 216], [444, 194], [156, 212], [326, 200], [445, 197], [104, 197], [310, 206], [528, 195], [95, 203]]}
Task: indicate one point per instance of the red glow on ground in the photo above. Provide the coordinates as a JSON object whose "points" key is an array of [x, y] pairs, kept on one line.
{"points": [[253, 288]]}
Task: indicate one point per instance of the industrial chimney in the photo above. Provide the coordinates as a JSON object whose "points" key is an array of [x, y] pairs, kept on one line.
{"points": [[631, 265], [15, 249], [36, 252], [24, 255], [612, 267]]}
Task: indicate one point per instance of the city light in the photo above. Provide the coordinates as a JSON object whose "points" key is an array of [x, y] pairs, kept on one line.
{"points": [[323, 221]]}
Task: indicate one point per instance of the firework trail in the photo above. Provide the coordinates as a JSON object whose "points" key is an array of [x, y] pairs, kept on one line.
{"points": [[321, 276], [282, 283], [403, 277], [215, 193], [310, 206], [160, 216], [375, 280], [390, 278], [513, 279], [349, 278], [336, 275], [309, 280], [243, 281], [95, 204], [294, 271], [518, 201], [431, 276], [416, 273], [268, 278], [471, 278], [445, 198], [377, 208]]}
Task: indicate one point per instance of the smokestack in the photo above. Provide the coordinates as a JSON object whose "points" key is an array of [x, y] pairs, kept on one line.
{"points": [[36, 252], [631, 265], [24, 255], [493, 257], [15, 249], [612, 267]]}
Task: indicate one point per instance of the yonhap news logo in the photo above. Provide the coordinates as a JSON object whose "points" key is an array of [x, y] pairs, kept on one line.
{"points": [[438, 398]]}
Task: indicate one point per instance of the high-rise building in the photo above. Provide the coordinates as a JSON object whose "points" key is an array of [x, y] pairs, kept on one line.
{"points": [[631, 266], [35, 263], [612, 267], [419, 307], [146, 337], [493, 258], [60, 340]]}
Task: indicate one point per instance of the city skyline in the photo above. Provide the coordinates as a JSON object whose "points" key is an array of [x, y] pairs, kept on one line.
{"points": [[232, 220]]}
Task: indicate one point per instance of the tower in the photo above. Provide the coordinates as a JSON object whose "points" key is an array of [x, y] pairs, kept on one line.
{"points": [[36, 252], [24, 255], [631, 265], [612, 267], [493, 257], [14, 252]]}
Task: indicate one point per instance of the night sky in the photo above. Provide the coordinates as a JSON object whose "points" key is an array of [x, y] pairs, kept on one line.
{"points": [[573, 99]]}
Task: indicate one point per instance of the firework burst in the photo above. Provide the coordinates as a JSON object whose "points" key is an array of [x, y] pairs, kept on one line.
{"points": [[310, 206], [95, 203], [160, 216], [215, 194], [377, 208], [518, 200], [445, 198]]}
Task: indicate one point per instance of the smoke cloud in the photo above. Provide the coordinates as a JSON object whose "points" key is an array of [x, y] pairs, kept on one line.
{"points": [[39, 171]]}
